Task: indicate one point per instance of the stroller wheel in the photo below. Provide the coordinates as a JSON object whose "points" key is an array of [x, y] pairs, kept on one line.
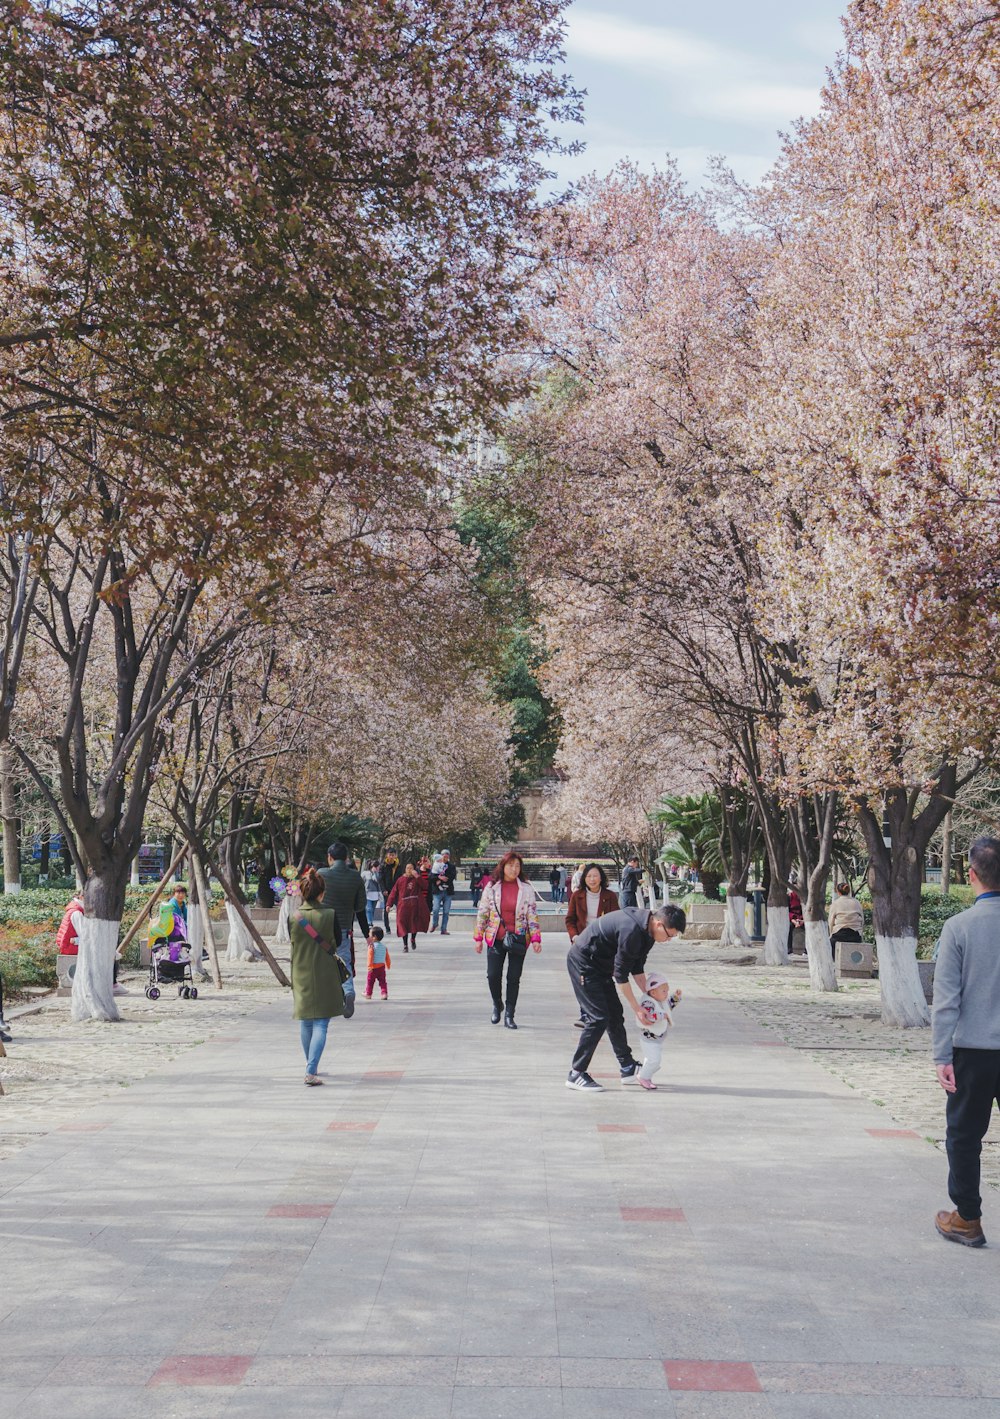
{"points": [[153, 993], [182, 991], [148, 989], [193, 993]]}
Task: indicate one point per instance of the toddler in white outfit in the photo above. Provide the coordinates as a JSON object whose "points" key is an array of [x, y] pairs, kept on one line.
{"points": [[660, 1003]]}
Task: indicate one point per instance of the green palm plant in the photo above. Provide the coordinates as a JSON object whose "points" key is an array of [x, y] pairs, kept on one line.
{"points": [[694, 825]]}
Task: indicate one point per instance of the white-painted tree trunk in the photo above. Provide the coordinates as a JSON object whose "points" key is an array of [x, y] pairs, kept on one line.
{"points": [[734, 928], [10, 888], [133, 879], [241, 943], [651, 892], [775, 951], [282, 936], [822, 975], [196, 940], [903, 1001], [93, 983]]}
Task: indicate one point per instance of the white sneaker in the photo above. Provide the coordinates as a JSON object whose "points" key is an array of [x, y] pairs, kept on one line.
{"points": [[119, 990]]}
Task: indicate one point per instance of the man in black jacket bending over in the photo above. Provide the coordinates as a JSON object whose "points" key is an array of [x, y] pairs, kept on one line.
{"points": [[600, 962]]}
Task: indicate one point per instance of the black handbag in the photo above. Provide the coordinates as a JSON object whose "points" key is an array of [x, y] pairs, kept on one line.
{"points": [[515, 941]]}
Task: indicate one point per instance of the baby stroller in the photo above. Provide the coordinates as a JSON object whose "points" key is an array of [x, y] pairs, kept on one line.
{"points": [[169, 955]]}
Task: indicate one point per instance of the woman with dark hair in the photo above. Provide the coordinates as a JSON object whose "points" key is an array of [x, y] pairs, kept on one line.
{"points": [[410, 896], [507, 922], [846, 918], [316, 985], [593, 898]]}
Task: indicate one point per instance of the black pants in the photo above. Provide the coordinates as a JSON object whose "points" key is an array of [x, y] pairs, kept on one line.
{"points": [[977, 1075], [846, 933], [495, 957], [601, 1008]]}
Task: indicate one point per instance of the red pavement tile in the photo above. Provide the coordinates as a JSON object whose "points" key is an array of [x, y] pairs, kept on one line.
{"points": [[348, 1126], [383, 1074], [892, 1133], [652, 1214], [716, 1375], [301, 1209], [81, 1127], [621, 1128], [202, 1370], [604, 1074]]}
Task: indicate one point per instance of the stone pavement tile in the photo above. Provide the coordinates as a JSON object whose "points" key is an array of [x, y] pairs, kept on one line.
{"points": [[611, 1403], [306, 1402], [98, 1402], [854, 1379], [103, 1370], [516, 1371], [292, 1371], [379, 1401], [597, 1332], [828, 1406], [694, 1404], [717, 1376], [510, 1325], [201, 1369], [28, 1370], [510, 1402], [581, 1373]]}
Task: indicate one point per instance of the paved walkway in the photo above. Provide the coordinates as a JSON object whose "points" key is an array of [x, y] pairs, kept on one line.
{"points": [[445, 1232]]}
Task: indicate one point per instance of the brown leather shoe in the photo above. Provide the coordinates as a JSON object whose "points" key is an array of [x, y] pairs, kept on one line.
{"points": [[956, 1229]]}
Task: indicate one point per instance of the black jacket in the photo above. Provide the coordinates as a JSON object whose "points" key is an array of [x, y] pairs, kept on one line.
{"points": [[615, 945]]}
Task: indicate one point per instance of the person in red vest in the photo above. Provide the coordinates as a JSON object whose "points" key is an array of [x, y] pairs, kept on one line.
{"points": [[68, 936]]}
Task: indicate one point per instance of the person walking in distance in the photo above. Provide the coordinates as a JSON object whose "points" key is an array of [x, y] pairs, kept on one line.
{"points": [[507, 922], [344, 893], [316, 986], [605, 959], [443, 882], [554, 884], [631, 877], [379, 962], [966, 1037], [413, 913]]}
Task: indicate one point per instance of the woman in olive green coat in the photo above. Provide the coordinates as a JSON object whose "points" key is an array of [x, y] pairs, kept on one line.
{"points": [[316, 987]]}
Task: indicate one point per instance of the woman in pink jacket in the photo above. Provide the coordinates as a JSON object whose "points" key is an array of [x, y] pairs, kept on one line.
{"points": [[507, 923]]}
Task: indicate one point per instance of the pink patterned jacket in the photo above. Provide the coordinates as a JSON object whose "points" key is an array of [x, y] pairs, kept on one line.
{"points": [[525, 915]]}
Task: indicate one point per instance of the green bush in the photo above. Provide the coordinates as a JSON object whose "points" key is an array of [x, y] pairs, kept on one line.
{"points": [[28, 965], [935, 911]]}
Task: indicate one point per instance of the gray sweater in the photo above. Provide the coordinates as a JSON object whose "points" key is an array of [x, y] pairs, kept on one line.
{"points": [[967, 981]]}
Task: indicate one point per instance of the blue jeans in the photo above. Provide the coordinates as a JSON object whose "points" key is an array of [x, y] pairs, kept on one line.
{"points": [[442, 909], [312, 1033], [374, 906], [344, 952]]}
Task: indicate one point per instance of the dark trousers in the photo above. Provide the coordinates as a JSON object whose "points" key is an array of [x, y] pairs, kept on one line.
{"points": [[601, 1008], [977, 1077], [846, 933], [495, 957]]}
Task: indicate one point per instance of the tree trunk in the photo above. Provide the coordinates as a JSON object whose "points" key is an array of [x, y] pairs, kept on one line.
{"points": [[11, 827], [814, 821], [45, 855], [946, 839], [734, 929], [282, 936], [894, 880], [93, 983], [134, 874], [208, 932], [775, 951], [241, 943]]}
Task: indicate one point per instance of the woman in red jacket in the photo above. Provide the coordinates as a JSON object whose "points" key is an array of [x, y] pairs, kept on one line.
{"points": [[593, 898], [410, 896]]}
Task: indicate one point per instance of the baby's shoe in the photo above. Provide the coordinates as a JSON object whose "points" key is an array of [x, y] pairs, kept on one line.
{"points": [[646, 1084]]}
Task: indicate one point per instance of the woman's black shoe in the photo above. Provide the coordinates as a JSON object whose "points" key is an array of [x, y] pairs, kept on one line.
{"points": [[495, 1017], [508, 1021]]}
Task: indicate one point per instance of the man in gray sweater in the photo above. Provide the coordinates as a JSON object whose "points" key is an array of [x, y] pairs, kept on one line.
{"points": [[967, 1038]]}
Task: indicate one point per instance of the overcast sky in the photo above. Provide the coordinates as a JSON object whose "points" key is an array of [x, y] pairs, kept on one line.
{"points": [[719, 76]]}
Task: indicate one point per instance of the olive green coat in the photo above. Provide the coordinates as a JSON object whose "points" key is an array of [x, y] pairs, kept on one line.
{"points": [[316, 984]]}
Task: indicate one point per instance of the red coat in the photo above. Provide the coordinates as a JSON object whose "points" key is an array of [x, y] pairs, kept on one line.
{"points": [[411, 898], [576, 912]]}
